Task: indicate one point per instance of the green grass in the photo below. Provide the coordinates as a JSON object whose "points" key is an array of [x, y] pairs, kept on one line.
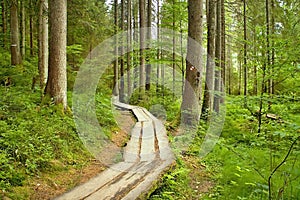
{"points": [[35, 135]]}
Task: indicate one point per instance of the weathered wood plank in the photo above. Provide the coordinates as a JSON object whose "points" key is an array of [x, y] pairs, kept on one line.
{"points": [[84, 190], [132, 150], [140, 115], [148, 142], [146, 156]]}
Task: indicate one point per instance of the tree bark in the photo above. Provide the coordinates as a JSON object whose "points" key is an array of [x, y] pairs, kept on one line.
{"points": [[223, 53], [43, 51], [245, 50], [240, 76], [268, 43], [142, 46], [149, 24], [4, 22], [173, 49], [272, 86], [57, 80], [31, 29], [136, 40], [190, 103], [158, 47], [210, 62], [129, 43], [14, 29], [23, 29], [255, 81], [229, 67], [216, 105], [122, 27], [116, 63]]}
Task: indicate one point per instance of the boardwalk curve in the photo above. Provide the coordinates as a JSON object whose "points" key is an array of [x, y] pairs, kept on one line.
{"points": [[146, 157]]}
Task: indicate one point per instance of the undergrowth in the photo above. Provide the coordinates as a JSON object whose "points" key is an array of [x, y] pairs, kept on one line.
{"points": [[36, 137]]}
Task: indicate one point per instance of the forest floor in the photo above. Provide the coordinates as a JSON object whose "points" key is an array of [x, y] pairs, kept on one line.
{"points": [[48, 185], [200, 180]]}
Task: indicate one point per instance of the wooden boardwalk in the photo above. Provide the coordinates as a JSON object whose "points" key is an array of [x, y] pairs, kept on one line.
{"points": [[147, 156]]}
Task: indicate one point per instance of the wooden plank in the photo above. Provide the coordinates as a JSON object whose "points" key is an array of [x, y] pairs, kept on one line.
{"points": [[132, 150], [119, 188], [141, 190], [140, 115], [130, 179], [148, 142], [84, 190]]}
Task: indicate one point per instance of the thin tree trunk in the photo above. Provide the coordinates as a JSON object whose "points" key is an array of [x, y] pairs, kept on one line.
{"points": [[122, 84], [223, 53], [190, 103], [136, 40], [43, 43], [14, 29], [229, 67], [129, 43], [245, 51], [255, 81], [272, 86], [268, 43], [158, 47], [31, 30], [23, 29], [210, 62], [116, 63], [240, 77], [173, 50], [57, 80], [142, 46], [4, 22], [217, 85], [182, 58], [265, 67], [149, 24]]}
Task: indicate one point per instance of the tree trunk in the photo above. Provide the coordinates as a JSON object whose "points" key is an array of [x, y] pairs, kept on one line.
{"points": [[136, 40], [190, 103], [122, 84], [210, 62], [240, 76], [142, 47], [229, 67], [245, 51], [268, 64], [23, 29], [158, 47], [4, 24], [31, 30], [149, 24], [129, 43], [14, 29], [43, 43], [116, 63], [182, 58], [223, 52], [173, 50], [218, 59], [255, 81], [272, 86], [57, 80], [264, 68]]}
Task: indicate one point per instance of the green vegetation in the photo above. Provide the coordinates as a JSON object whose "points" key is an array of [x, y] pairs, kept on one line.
{"points": [[256, 56], [38, 138], [243, 160]]}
